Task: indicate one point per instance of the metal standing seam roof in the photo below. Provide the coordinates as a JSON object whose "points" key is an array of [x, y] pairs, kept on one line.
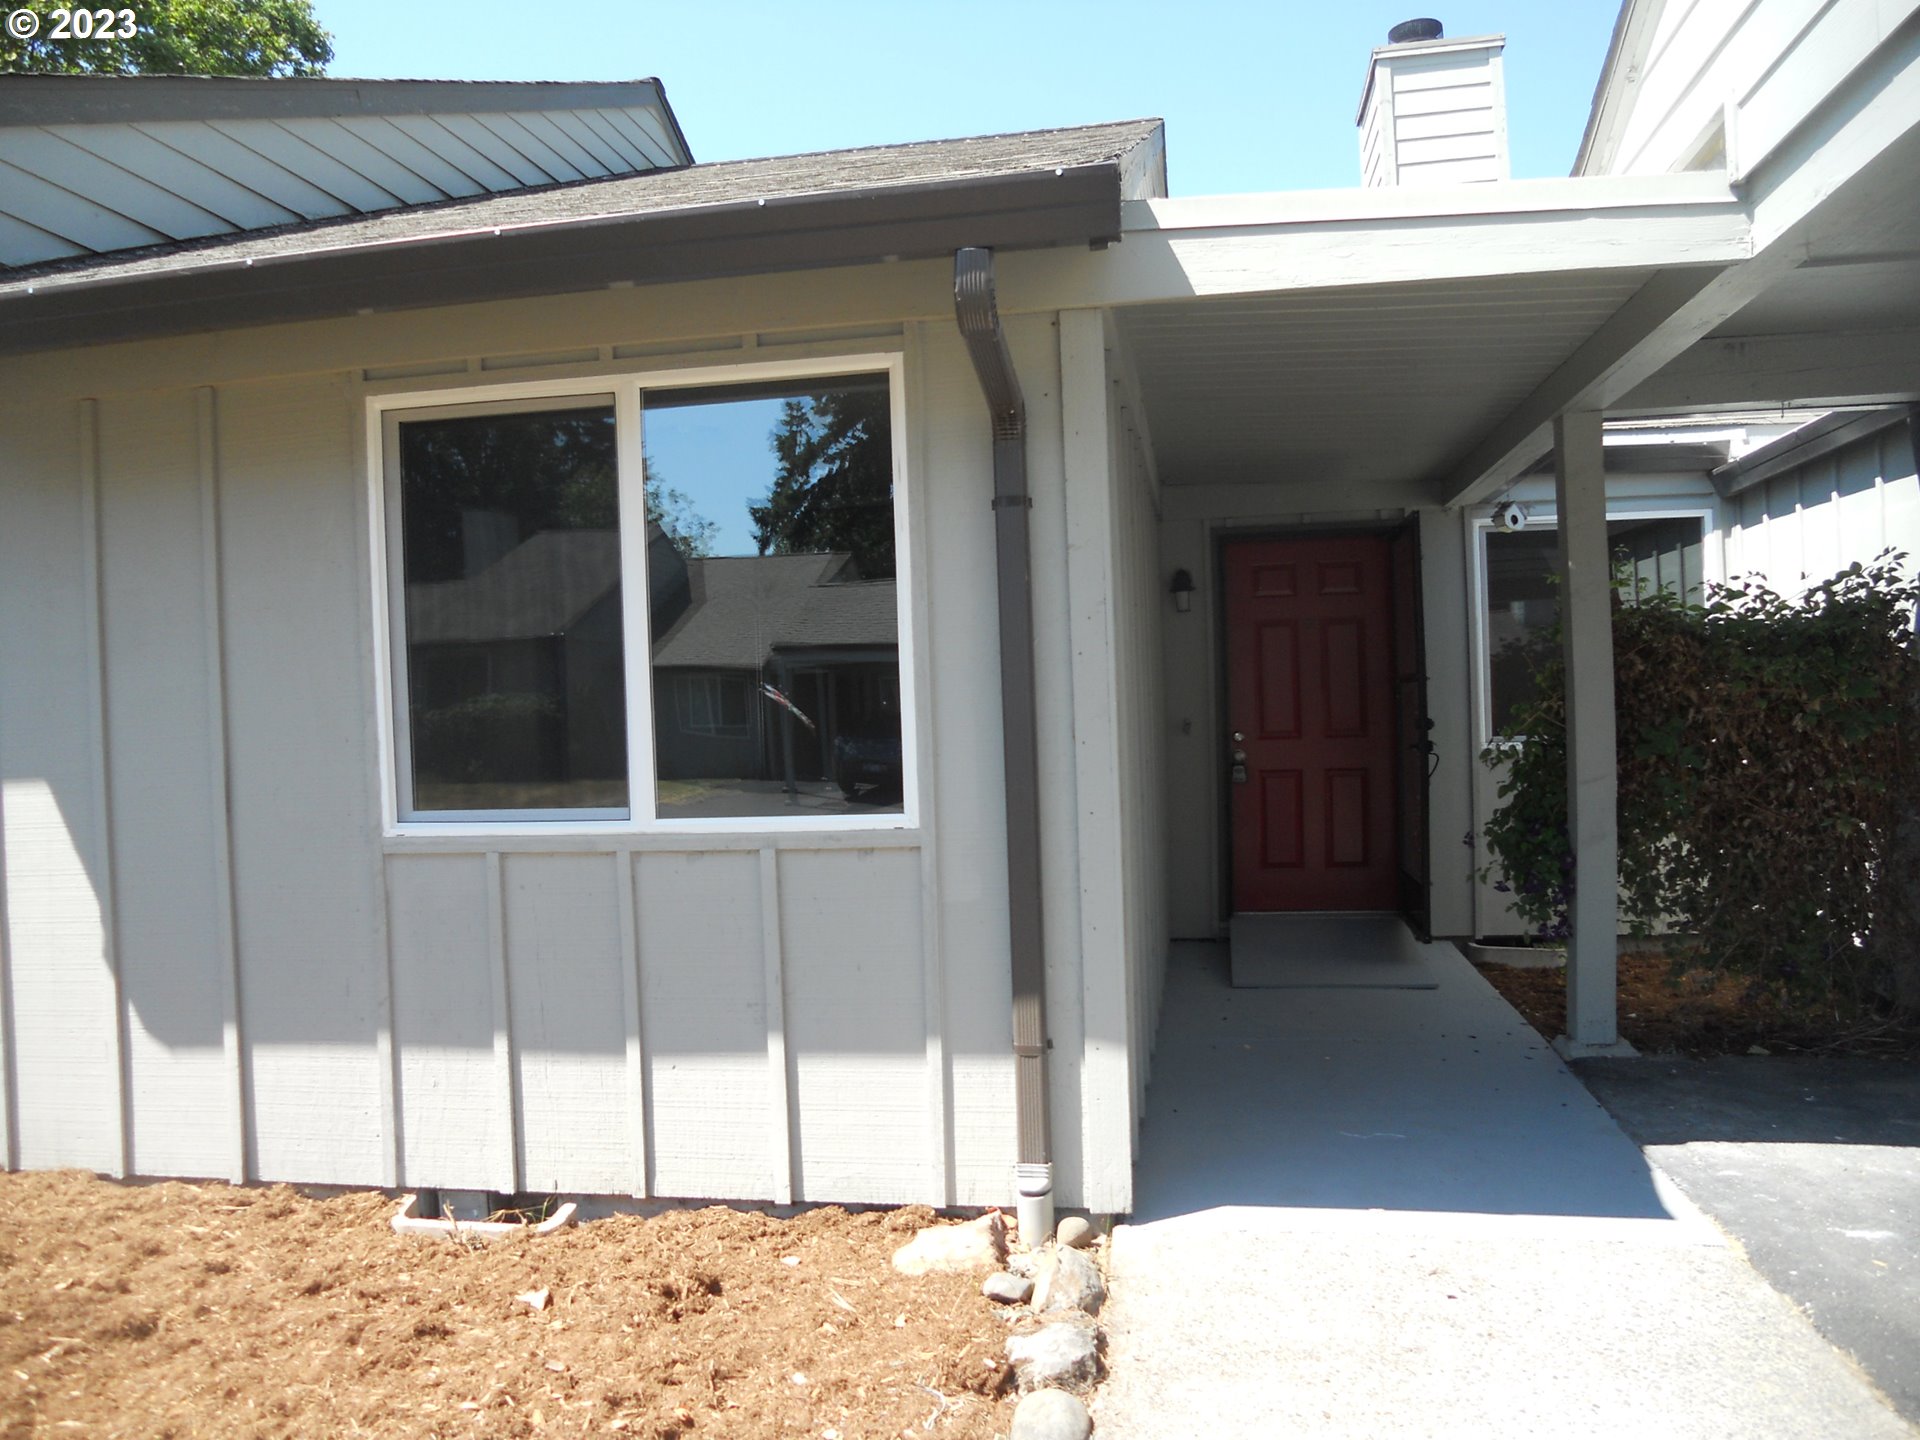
{"points": [[101, 164]]}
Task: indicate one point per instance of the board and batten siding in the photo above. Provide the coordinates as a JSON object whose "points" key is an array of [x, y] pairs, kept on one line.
{"points": [[215, 962], [1804, 525]]}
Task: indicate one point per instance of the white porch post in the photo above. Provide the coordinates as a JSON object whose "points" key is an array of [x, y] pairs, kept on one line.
{"points": [[1586, 599]]}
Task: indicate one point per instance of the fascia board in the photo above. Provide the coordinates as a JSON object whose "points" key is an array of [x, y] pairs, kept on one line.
{"points": [[1070, 207]]}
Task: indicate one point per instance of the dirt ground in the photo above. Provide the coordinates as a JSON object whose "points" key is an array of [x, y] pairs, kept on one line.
{"points": [[176, 1310], [1694, 1013]]}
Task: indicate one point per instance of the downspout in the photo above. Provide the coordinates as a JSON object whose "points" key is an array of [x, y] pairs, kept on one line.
{"points": [[979, 320]]}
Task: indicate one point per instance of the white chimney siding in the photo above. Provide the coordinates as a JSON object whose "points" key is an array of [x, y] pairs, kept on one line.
{"points": [[1434, 112]]}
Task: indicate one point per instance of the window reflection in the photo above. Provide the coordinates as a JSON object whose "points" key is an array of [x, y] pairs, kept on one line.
{"points": [[511, 557], [1522, 598], [774, 612]]}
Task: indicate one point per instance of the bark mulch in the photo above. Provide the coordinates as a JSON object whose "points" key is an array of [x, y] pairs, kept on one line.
{"points": [[176, 1310], [1668, 1008]]}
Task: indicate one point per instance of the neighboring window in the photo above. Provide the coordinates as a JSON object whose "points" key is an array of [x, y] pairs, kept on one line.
{"points": [[1665, 554], [775, 613], [771, 607], [713, 704], [510, 561]]}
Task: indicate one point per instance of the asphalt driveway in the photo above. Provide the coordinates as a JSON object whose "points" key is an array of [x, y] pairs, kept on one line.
{"points": [[1813, 1166]]}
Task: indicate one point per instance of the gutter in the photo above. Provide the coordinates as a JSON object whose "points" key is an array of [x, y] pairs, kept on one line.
{"points": [[246, 281], [1813, 441], [979, 321]]}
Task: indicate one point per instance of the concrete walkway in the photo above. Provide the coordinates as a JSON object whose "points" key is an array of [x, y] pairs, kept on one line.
{"points": [[1395, 1213]]}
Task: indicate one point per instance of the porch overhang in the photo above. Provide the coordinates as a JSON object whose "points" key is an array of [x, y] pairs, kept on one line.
{"points": [[1824, 311], [1318, 342]]}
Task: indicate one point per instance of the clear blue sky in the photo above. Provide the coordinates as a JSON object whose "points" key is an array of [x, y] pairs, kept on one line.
{"points": [[1256, 97]]}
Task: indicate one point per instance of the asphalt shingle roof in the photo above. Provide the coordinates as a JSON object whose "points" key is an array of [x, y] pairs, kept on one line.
{"points": [[746, 607]]}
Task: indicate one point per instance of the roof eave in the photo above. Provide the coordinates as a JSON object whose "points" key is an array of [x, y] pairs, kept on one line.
{"points": [[1626, 53], [1076, 205], [40, 100]]}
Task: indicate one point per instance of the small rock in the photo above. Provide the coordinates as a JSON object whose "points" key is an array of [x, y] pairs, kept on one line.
{"points": [[1051, 1415], [1068, 1280], [1023, 1263], [1007, 1289], [1063, 1354], [1758, 1050], [955, 1249], [1075, 1233], [534, 1299]]}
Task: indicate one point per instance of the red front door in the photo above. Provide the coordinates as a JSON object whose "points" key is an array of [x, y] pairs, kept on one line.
{"points": [[1310, 708]]}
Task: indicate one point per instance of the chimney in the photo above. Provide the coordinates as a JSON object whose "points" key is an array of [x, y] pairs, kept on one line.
{"points": [[1434, 111]]}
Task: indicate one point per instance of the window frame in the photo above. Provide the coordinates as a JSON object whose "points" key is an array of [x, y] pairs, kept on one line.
{"points": [[626, 387], [1544, 516]]}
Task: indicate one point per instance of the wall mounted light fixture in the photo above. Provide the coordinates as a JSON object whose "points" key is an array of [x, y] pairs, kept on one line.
{"points": [[1182, 590]]}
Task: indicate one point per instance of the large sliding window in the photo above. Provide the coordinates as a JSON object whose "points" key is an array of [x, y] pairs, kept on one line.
{"points": [[676, 602]]}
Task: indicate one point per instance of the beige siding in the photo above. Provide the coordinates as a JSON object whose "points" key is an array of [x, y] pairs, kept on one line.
{"points": [[64, 1035], [1434, 118], [1723, 82], [856, 1035], [1140, 608], [313, 983], [704, 1008], [454, 1115], [962, 705], [165, 834], [796, 1016], [563, 955], [1799, 528]]}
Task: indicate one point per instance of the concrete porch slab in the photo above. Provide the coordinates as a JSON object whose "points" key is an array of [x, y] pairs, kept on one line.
{"points": [[1305, 951], [1370, 1099], [1395, 1213]]}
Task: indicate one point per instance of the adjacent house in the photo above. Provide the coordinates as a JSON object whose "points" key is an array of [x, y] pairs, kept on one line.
{"points": [[531, 664]]}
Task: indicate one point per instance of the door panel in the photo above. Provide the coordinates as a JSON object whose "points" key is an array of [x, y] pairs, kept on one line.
{"points": [[1310, 694]]}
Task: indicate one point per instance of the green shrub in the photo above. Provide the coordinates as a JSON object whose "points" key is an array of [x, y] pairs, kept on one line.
{"points": [[502, 736], [1761, 748]]}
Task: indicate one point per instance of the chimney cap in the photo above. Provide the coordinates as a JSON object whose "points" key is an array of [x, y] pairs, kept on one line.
{"points": [[1408, 31]]}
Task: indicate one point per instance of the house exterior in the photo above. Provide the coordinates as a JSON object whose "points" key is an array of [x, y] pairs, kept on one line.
{"points": [[262, 557]]}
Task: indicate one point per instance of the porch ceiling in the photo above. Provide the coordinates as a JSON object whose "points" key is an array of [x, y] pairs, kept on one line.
{"points": [[1353, 386], [1841, 325]]}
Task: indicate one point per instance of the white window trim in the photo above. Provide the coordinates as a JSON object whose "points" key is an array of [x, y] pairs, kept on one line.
{"points": [[626, 387], [1492, 911], [1545, 517]]}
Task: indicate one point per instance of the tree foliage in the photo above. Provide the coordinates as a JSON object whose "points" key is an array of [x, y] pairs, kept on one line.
{"points": [[1765, 747], [550, 471], [179, 37], [693, 535], [833, 480]]}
